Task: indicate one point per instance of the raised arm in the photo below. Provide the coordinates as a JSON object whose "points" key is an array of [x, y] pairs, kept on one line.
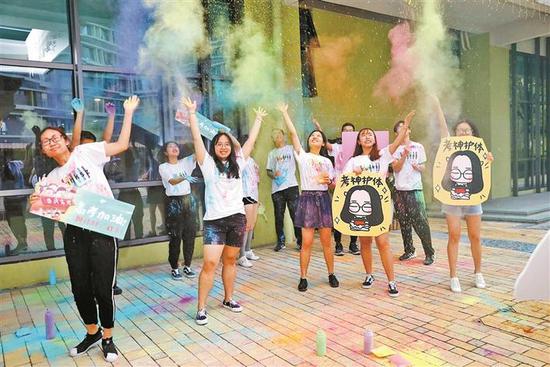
{"points": [[200, 149], [442, 122], [78, 106], [248, 146], [108, 131], [130, 105], [290, 127], [402, 133]]}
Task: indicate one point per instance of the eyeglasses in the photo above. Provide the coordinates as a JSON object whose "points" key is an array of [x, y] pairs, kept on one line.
{"points": [[355, 208], [464, 131], [223, 145], [54, 139], [467, 174]]}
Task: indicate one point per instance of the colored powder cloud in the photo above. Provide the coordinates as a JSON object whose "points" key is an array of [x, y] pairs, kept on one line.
{"points": [[399, 79], [251, 61]]}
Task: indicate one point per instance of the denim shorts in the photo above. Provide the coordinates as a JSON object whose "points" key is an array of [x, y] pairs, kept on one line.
{"points": [[461, 210], [225, 231]]}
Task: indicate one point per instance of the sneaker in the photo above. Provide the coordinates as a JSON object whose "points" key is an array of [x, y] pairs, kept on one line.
{"points": [[429, 260], [302, 286], [353, 249], [232, 305], [455, 285], [407, 256], [392, 289], [116, 290], [88, 342], [299, 247], [339, 249], [244, 262], [250, 255], [176, 275], [279, 247], [188, 272], [368, 282], [202, 317], [109, 350], [480, 281], [334, 283]]}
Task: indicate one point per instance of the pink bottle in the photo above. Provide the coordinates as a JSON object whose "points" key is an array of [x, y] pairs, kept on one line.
{"points": [[368, 341]]}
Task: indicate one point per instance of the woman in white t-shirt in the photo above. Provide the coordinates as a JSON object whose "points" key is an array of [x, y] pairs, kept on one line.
{"points": [[91, 256], [180, 208], [368, 158], [224, 221], [251, 180], [314, 204]]}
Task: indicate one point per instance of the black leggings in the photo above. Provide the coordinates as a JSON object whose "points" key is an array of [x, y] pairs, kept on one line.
{"points": [[411, 213], [181, 227], [91, 258]]}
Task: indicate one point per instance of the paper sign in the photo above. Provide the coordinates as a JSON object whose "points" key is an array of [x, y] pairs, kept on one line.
{"points": [[534, 281], [462, 173], [207, 127], [84, 209], [361, 205]]}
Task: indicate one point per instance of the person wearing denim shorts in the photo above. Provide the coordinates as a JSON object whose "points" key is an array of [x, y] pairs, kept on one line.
{"points": [[224, 219]]}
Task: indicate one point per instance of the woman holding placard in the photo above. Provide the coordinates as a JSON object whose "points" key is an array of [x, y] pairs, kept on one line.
{"points": [[91, 257], [454, 213], [368, 158]]}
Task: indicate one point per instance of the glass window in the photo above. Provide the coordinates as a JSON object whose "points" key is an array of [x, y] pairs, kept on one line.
{"points": [[34, 30]]}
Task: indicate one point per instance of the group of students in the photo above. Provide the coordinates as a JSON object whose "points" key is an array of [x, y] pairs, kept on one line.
{"points": [[231, 204]]}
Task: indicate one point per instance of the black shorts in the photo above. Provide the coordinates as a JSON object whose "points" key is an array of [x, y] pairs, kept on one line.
{"points": [[249, 201], [225, 231]]}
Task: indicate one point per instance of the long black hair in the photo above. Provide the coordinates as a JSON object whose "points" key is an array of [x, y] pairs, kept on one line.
{"points": [[376, 217], [231, 167], [477, 175], [374, 152], [323, 152]]}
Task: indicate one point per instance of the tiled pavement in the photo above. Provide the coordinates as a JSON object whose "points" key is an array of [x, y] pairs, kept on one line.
{"points": [[427, 324]]}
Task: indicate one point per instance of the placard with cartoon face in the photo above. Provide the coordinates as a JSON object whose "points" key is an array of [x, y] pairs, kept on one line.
{"points": [[361, 205], [462, 173]]}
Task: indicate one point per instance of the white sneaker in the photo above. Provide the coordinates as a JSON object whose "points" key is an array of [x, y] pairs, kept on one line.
{"points": [[250, 255], [455, 285], [480, 282], [243, 261]]}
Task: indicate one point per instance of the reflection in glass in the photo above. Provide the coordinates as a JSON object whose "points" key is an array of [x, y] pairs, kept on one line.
{"points": [[34, 30]]}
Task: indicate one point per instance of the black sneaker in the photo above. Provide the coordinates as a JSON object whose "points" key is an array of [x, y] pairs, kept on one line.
{"points": [[429, 260], [88, 342], [368, 282], [188, 272], [279, 247], [334, 283], [407, 256], [302, 286], [202, 317], [392, 289], [109, 350], [116, 290], [176, 275], [353, 249], [339, 249], [232, 305]]}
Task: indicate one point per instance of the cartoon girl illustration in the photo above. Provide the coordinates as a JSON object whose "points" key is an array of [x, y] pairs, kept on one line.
{"points": [[362, 208], [463, 176]]}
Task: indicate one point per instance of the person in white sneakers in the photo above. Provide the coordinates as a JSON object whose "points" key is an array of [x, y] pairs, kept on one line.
{"points": [[454, 213], [251, 180]]}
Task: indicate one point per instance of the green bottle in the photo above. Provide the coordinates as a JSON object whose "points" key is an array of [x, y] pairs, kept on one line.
{"points": [[321, 343]]}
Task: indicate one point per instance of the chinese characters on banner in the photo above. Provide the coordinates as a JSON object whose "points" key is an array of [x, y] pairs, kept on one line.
{"points": [[361, 205], [62, 202], [462, 173]]}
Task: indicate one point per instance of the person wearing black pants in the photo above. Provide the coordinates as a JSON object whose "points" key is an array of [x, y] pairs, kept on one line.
{"points": [[91, 257], [281, 168], [411, 208], [180, 208]]}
